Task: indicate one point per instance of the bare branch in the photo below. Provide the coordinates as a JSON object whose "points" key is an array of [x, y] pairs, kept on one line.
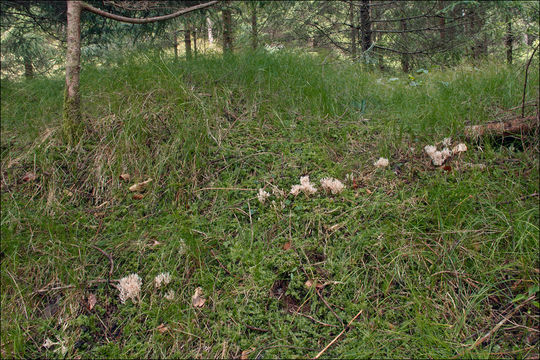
{"points": [[97, 11]]}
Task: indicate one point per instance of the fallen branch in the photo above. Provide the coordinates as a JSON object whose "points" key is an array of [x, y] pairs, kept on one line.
{"points": [[313, 319], [224, 188], [256, 328], [510, 127], [328, 306], [337, 336]]}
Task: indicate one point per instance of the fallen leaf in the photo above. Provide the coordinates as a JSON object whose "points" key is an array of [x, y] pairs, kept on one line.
{"points": [[447, 168], [155, 243], [198, 300], [369, 191], [126, 177], [138, 196], [92, 300], [245, 353], [29, 177], [162, 328], [139, 186], [311, 283], [287, 245]]}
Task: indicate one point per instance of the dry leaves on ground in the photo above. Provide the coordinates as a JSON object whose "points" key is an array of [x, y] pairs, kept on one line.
{"points": [[139, 186], [92, 301], [198, 300], [29, 177]]}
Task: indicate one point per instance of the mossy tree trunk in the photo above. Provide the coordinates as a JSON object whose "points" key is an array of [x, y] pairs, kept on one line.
{"points": [[71, 124]]}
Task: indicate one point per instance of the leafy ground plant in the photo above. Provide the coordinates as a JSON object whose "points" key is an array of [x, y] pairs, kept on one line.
{"points": [[429, 261]]}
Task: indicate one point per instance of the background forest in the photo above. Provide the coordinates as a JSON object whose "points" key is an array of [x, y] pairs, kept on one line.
{"points": [[269, 179]]}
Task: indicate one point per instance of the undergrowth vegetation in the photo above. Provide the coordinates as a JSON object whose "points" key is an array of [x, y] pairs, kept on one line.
{"points": [[433, 257]]}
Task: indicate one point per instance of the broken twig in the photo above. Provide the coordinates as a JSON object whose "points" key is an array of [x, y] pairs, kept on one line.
{"points": [[337, 336]]}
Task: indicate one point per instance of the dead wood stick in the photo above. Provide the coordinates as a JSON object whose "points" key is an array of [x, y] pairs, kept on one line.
{"points": [[221, 265], [328, 306], [256, 328], [337, 336], [499, 324], [525, 82], [313, 319], [502, 128], [224, 188], [111, 269], [480, 340]]}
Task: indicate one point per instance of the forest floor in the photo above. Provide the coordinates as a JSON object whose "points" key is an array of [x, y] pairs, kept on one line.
{"points": [[429, 262]]}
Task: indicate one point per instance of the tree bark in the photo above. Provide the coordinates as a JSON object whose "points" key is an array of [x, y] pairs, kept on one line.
{"points": [[365, 25], [508, 39], [28, 69], [354, 30], [72, 111], [516, 126], [210, 34], [404, 55], [227, 31], [254, 30], [442, 22], [194, 34], [129, 20], [187, 42], [175, 39]]}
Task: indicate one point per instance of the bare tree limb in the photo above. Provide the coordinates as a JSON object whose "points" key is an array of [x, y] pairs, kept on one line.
{"points": [[97, 11]]}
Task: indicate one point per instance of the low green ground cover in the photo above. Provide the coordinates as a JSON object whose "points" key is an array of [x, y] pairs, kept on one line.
{"points": [[433, 257]]}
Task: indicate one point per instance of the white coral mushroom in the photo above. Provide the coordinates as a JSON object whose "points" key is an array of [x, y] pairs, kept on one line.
{"points": [[305, 186], [459, 148], [262, 195], [437, 157], [130, 287], [447, 142], [332, 185], [163, 278], [382, 162]]}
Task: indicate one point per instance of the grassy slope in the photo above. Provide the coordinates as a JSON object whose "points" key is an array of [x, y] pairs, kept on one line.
{"points": [[433, 258]]}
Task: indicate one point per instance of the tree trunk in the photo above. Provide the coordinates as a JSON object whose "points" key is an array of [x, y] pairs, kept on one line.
{"points": [[254, 30], [365, 25], [72, 102], [354, 30], [477, 21], [194, 34], [28, 69], [442, 22], [404, 56], [227, 27], [175, 39], [508, 39], [187, 42], [210, 34]]}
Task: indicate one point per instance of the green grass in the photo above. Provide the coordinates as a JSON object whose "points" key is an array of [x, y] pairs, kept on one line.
{"points": [[433, 258]]}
